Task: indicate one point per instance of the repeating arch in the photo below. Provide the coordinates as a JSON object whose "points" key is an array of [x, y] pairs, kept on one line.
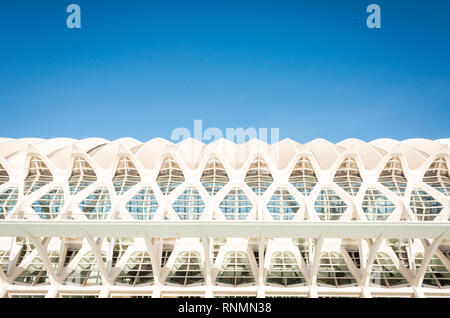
{"points": [[258, 176], [170, 175]]}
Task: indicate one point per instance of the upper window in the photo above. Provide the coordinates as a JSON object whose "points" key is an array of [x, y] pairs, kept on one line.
{"points": [[376, 206], [347, 176], [284, 270], [235, 269], [303, 177], [4, 177], [8, 200], [143, 205], [282, 205], [258, 176], [137, 270], [189, 205], [424, 206], [214, 176], [437, 176], [187, 269], [82, 175], [333, 271], [170, 175], [97, 205], [392, 176], [126, 175], [38, 176], [49, 205], [236, 205], [329, 205]]}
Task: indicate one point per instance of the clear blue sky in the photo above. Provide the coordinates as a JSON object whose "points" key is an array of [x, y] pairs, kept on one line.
{"points": [[142, 68]]}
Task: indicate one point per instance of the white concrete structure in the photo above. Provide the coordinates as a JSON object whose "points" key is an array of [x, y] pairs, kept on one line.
{"points": [[125, 218]]}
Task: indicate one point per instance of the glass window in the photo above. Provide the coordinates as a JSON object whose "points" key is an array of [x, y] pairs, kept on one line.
{"points": [[4, 177], [436, 274], [282, 205], [235, 270], [38, 176], [187, 269], [8, 200], [329, 206], [258, 176], [392, 176], [333, 271], [82, 175], [126, 175], [97, 205], [87, 272], [236, 205], [347, 176], [137, 271], [170, 175], [385, 273], [424, 206], [143, 205], [189, 205], [303, 177], [376, 206], [49, 205], [437, 176], [284, 270], [214, 177]]}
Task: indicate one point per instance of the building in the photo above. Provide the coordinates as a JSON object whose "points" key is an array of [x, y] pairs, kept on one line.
{"points": [[94, 218]]}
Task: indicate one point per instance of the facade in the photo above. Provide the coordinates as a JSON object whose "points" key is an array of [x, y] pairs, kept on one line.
{"points": [[94, 218]]}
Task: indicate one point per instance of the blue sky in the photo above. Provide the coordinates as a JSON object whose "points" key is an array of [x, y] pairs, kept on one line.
{"points": [[142, 68]]}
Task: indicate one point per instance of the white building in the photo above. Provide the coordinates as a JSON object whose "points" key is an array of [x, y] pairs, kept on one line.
{"points": [[125, 218]]}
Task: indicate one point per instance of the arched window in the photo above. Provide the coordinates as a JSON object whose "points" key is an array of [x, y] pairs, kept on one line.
{"points": [[170, 175], [49, 205], [282, 205], [347, 176], [189, 205], [97, 205], [303, 177], [284, 270], [82, 175], [392, 176], [38, 175], [437, 176], [333, 271], [137, 271], [236, 205], [329, 206], [258, 176], [214, 177], [235, 269], [126, 175], [187, 269], [376, 206]]}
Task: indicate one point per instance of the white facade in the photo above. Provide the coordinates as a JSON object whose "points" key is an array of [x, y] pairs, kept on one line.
{"points": [[126, 218]]}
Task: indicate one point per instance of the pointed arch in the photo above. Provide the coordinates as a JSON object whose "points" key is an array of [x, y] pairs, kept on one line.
{"points": [[303, 177], [437, 176], [126, 175], [170, 175], [393, 177], [258, 176], [82, 176], [38, 175], [214, 176], [348, 177]]}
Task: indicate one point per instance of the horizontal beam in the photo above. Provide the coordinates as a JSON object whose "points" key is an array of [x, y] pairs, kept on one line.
{"points": [[174, 229]]}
